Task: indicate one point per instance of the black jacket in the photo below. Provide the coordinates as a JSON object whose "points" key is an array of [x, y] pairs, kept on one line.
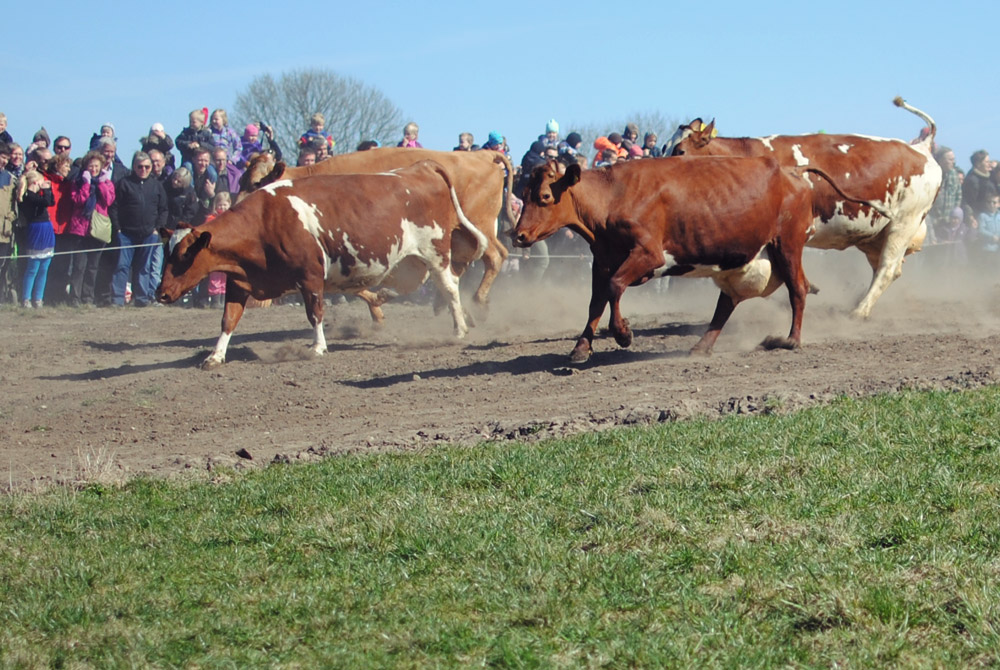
{"points": [[141, 204]]}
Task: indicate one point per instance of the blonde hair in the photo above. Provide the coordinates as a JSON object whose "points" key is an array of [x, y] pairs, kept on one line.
{"points": [[317, 118], [225, 117], [220, 197], [198, 114], [27, 179], [411, 127]]}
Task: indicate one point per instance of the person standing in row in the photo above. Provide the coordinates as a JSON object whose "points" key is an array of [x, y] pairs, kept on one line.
{"points": [[35, 196], [142, 211], [92, 190]]}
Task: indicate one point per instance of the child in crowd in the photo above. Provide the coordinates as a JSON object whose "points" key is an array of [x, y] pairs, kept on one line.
{"points": [[316, 133], [35, 196], [217, 280], [194, 136], [989, 226], [5, 137], [466, 142], [410, 133], [158, 140]]}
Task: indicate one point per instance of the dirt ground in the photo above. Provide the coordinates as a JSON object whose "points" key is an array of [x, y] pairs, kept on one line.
{"points": [[107, 394]]}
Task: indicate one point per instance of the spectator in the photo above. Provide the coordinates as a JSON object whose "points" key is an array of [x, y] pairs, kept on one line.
{"points": [[109, 150], [108, 259], [35, 197], [466, 142], [989, 230], [630, 135], [251, 143], [8, 213], [551, 136], [977, 189], [157, 140], [612, 142], [182, 203], [5, 137], [62, 145], [955, 233], [606, 158], [496, 142], [223, 135], [410, 132], [91, 191], [571, 145], [228, 174], [142, 211], [195, 135], [649, 148], [160, 169], [40, 140], [367, 145], [217, 280], [204, 178], [322, 150], [316, 124], [307, 156], [107, 130], [15, 162], [38, 158], [949, 196], [57, 172]]}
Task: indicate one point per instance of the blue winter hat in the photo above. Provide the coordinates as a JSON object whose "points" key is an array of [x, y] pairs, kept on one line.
{"points": [[552, 126], [495, 139]]}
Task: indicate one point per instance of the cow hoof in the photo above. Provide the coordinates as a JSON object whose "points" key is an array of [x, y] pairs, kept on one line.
{"points": [[698, 350], [774, 342], [579, 355], [211, 363], [624, 339], [860, 315]]}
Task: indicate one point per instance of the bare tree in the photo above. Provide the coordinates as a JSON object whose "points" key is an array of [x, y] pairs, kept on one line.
{"points": [[353, 110]]}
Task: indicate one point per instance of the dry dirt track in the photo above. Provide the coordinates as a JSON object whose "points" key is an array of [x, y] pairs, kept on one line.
{"points": [[112, 393]]}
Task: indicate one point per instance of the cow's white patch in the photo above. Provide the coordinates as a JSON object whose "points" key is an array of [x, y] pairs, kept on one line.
{"points": [[800, 158], [176, 238], [766, 141], [309, 216], [843, 148], [274, 186]]}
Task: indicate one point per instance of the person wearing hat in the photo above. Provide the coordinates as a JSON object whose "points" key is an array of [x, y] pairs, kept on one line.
{"points": [[551, 136], [495, 142], [107, 130], [158, 140], [571, 145], [251, 142]]}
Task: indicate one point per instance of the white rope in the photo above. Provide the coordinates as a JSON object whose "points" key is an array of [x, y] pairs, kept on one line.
{"points": [[91, 251]]}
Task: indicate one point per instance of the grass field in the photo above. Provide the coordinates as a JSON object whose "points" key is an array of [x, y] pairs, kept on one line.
{"points": [[862, 534]]}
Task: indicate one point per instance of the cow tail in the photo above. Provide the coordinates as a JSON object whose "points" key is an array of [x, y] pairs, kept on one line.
{"points": [[507, 210], [899, 102], [481, 241], [877, 207]]}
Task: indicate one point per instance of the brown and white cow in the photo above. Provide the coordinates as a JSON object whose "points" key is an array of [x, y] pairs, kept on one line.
{"points": [[903, 178], [478, 178], [340, 233], [741, 221]]}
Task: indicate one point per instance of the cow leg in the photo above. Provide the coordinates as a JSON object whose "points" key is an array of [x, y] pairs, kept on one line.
{"points": [[493, 259], [886, 259], [723, 310], [598, 301], [787, 262], [313, 300], [375, 302], [447, 284], [236, 300]]}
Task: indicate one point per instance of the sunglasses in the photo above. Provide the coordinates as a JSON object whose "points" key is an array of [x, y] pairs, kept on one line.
{"points": [[64, 147], [143, 167]]}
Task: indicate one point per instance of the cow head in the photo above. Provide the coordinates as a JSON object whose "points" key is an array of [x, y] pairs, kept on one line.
{"points": [[259, 171], [186, 265], [547, 203], [690, 139]]}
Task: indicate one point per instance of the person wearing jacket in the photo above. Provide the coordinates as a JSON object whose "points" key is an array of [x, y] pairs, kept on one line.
{"points": [[195, 135], [91, 190], [142, 211]]}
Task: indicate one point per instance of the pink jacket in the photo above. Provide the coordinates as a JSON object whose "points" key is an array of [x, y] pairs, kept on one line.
{"points": [[79, 222]]}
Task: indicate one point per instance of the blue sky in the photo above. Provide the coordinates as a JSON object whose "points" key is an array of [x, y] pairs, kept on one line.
{"points": [[758, 68]]}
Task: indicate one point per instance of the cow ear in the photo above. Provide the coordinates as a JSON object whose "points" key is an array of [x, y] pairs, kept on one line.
{"points": [[201, 242], [572, 175], [696, 124]]}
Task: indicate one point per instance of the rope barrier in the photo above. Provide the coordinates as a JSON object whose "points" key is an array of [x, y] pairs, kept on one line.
{"points": [[92, 251]]}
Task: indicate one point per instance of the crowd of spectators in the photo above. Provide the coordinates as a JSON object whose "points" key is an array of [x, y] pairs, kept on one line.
{"points": [[86, 231]]}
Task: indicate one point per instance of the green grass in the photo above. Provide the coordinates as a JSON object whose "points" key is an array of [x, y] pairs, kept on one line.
{"points": [[863, 534]]}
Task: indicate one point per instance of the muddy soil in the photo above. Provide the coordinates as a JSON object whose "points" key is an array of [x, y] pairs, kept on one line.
{"points": [[104, 394]]}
